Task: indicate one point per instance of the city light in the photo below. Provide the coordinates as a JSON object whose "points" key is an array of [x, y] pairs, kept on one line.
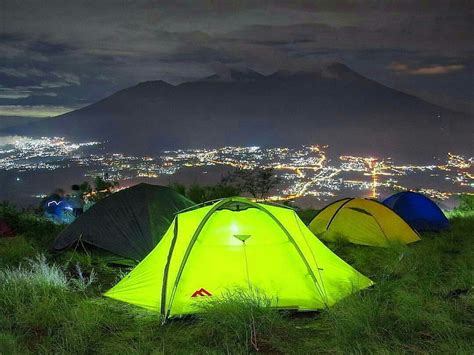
{"points": [[303, 171]]}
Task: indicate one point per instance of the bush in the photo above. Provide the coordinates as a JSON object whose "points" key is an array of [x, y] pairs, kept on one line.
{"points": [[466, 203], [200, 194], [307, 215], [14, 250], [38, 231]]}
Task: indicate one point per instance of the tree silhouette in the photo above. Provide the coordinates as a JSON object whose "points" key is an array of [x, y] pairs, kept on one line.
{"points": [[257, 182]]}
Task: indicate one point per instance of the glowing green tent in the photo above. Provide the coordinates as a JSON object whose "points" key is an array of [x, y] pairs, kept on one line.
{"points": [[233, 245]]}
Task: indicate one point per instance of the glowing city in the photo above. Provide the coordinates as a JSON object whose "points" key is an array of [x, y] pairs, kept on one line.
{"points": [[305, 172]]}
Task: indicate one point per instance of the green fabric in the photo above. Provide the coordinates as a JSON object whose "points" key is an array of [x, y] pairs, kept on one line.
{"points": [[256, 247], [128, 223]]}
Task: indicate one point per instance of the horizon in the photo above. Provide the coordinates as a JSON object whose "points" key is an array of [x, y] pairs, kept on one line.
{"points": [[310, 176], [222, 76]]}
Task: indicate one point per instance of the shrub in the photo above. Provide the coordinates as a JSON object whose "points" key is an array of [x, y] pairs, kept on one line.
{"points": [[10, 215], [307, 215], [14, 250], [200, 194], [466, 203]]}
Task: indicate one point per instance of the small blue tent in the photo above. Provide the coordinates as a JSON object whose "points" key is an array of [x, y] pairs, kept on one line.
{"points": [[57, 209], [418, 211]]}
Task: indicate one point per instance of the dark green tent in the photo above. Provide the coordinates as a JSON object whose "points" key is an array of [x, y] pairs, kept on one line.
{"points": [[129, 223]]}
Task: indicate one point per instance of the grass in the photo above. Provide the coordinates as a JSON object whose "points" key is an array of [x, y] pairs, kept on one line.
{"points": [[423, 302], [241, 320]]}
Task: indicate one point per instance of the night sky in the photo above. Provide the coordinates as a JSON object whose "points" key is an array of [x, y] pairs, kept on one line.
{"points": [[56, 56]]}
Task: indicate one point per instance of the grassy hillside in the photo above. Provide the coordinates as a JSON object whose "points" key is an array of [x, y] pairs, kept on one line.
{"points": [[423, 301]]}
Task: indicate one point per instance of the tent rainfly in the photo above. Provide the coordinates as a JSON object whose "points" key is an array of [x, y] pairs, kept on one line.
{"points": [[128, 223], [238, 245], [418, 211], [362, 221]]}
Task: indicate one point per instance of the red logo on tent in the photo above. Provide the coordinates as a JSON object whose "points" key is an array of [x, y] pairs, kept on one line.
{"points": [[201, 292]]}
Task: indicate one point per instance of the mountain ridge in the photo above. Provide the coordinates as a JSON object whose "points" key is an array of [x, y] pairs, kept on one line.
{"points": [[333, 105]]}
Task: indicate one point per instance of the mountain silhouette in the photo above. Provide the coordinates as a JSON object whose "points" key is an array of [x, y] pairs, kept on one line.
{"points": [[333, 105]]}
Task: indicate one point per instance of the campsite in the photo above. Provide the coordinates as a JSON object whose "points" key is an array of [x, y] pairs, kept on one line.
{"points": [[414, 297], [236, 177]]}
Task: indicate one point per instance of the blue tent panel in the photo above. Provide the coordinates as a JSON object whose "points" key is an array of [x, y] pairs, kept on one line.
{"points": [[418, 211]]}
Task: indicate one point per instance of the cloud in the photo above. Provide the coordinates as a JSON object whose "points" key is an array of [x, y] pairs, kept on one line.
{"points": [[22, 72], [49, 48], [34, 111], [30, 84], [427, 70], [54, 84], [437, 69], [26, 72], [13, 95], [15, 92], [69, 78], [126, 42]]}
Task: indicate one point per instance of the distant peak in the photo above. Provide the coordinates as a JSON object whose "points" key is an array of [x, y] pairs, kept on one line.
{"points": [[147, 88], [224, 73], [338, 69], [333, 70], [153, 84], [282, 74]]}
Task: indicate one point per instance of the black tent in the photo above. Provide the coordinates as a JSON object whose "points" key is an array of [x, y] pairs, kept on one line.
{"points": [[128, 223]]}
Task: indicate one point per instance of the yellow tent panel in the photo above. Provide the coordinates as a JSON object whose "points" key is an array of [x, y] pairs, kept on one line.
{"points": [[362, 221]]}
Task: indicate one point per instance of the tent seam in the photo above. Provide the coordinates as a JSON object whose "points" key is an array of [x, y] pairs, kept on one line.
{"points": [[336, 213], [166, 270]]}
